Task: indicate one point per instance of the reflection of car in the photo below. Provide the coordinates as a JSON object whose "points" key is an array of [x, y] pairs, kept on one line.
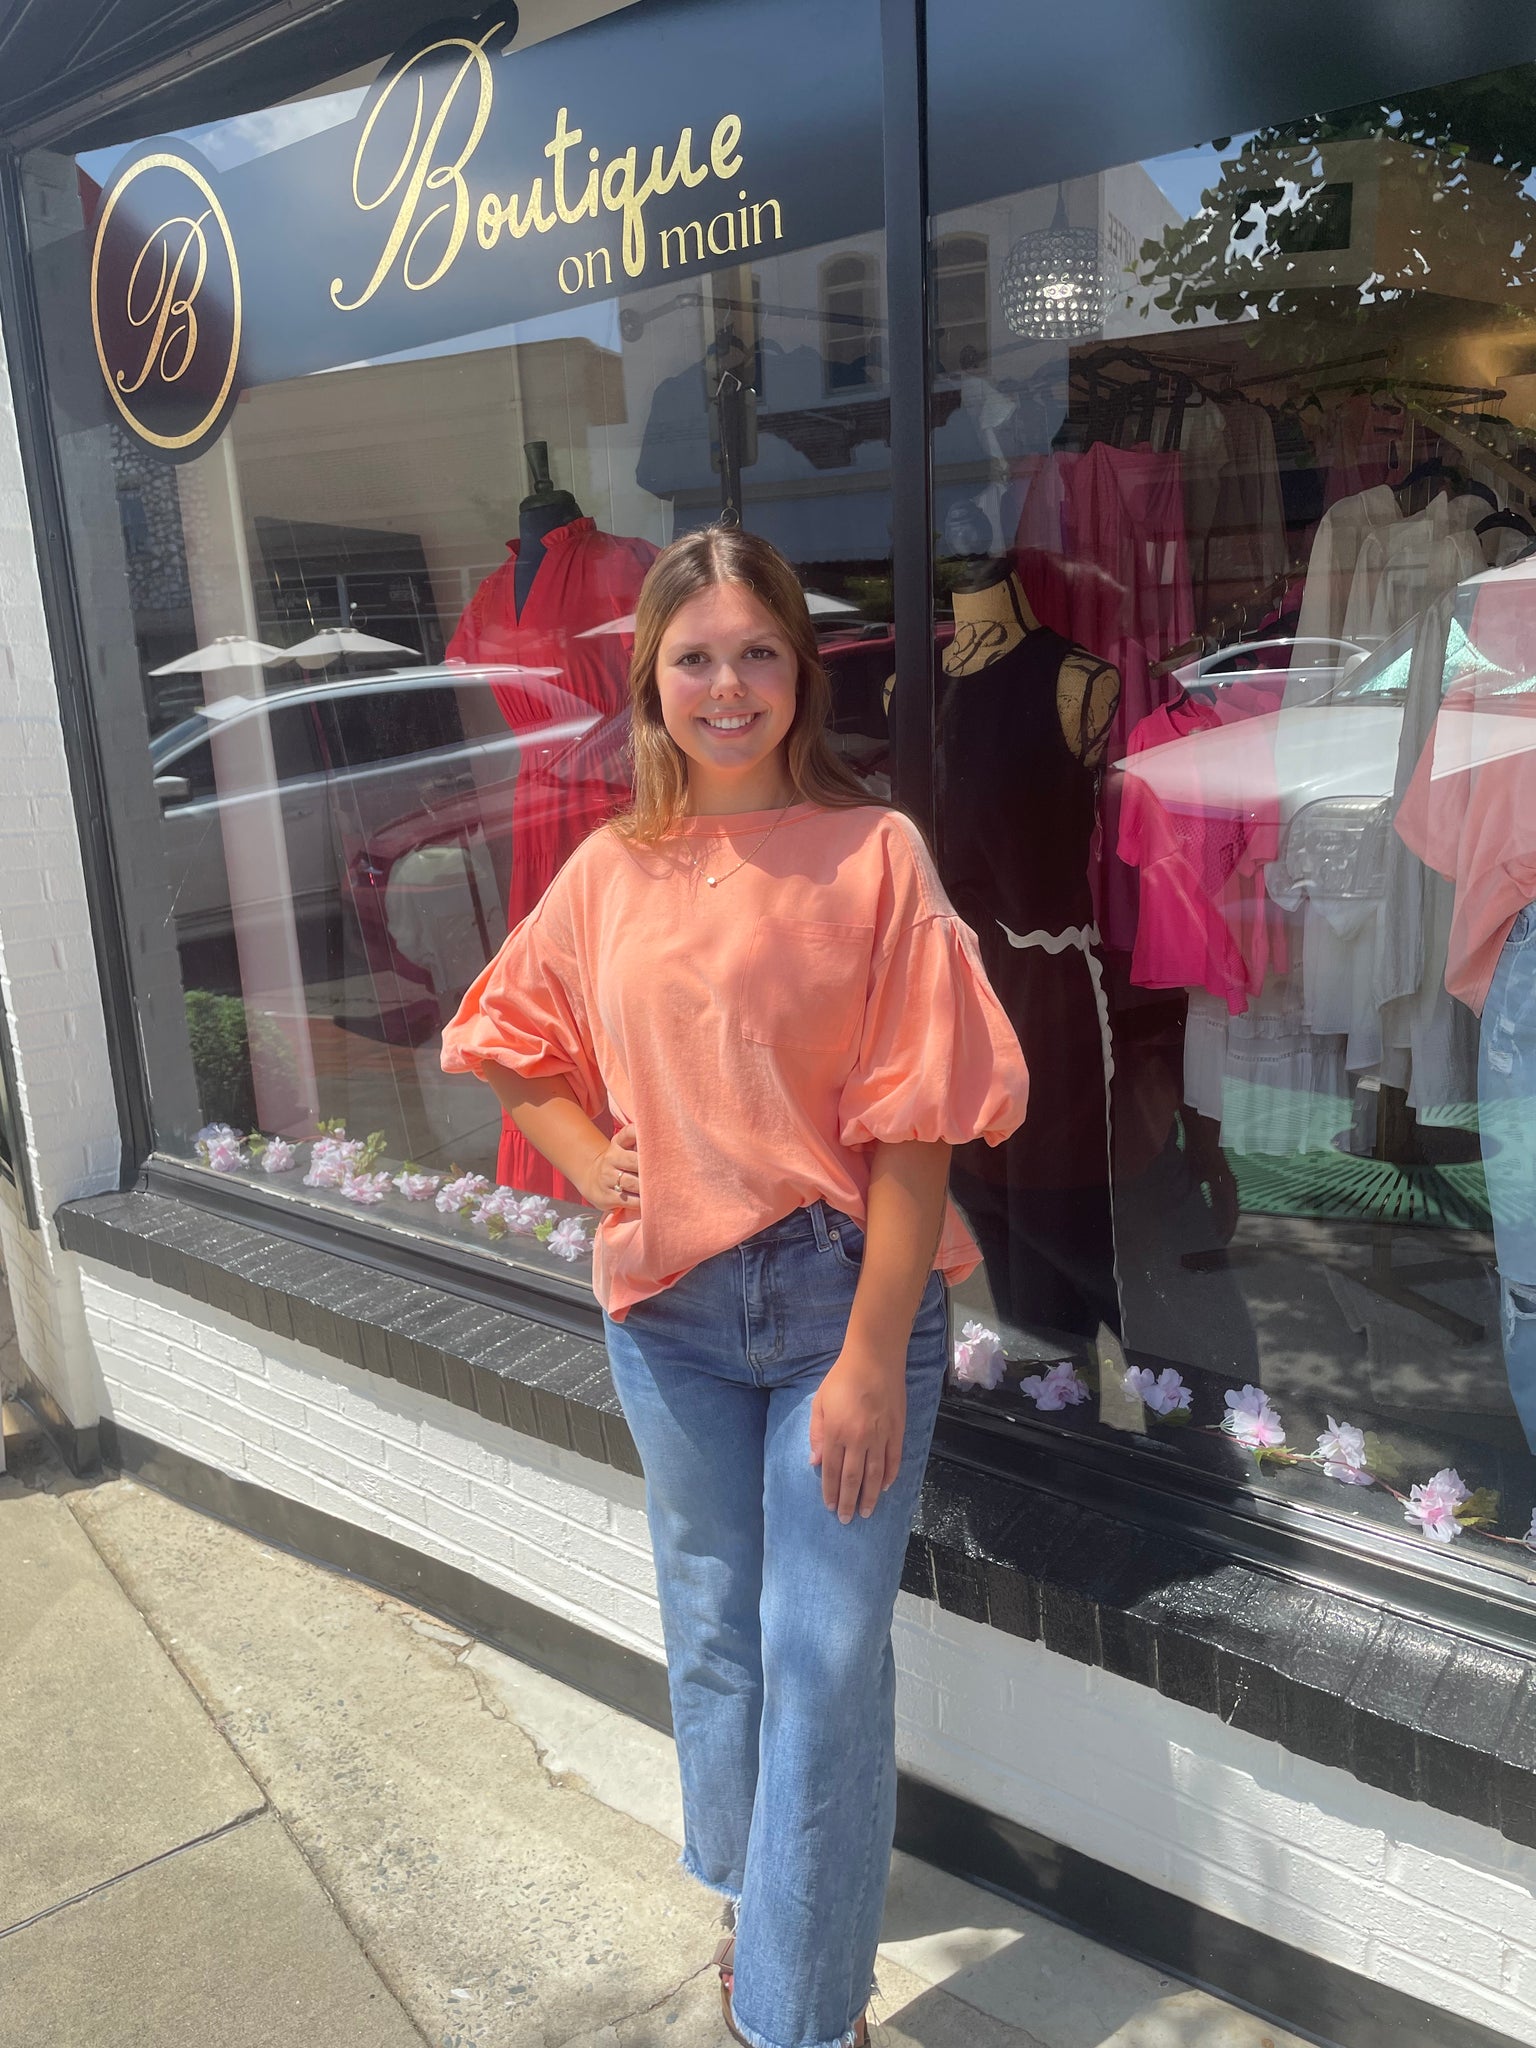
{"points": [[1324, 764], [1335, 736], [1313, 666], [395, 793]]}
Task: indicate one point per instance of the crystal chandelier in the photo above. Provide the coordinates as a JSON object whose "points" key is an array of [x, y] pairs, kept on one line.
{"points": [[1053, 284]]}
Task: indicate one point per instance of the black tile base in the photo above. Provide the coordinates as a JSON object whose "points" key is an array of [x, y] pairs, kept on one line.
{"points": [[1410, 1705]]}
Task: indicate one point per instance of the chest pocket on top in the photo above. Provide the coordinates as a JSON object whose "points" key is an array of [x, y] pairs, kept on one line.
{"points": [[805, 984]]}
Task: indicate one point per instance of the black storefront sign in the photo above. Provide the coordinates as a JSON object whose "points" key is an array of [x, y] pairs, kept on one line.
{"points": [[479, 184]]}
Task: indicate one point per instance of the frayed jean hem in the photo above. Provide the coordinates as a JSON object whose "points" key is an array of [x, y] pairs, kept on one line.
{"points": [[689, 1862], [847, 2039]]}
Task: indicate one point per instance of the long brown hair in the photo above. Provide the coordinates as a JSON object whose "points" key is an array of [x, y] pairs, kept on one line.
{"points": [[725, 554]]}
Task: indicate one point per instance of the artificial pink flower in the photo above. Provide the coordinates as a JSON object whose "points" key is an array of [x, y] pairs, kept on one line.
{"points": [[1061, 1387], [417, 1186], [331, 1159], [278, 1156], [453, 1194], [219, 1147], [568, 1239], [524, 1213], [1529, 1538], [1342, 1450], [366, 1189], [1433, 1505], [1252, 1421], [1164, 1393], [978, 1360], [501, 1206]]}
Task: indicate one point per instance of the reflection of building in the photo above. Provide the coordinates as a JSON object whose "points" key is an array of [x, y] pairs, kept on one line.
{"points": [[154, 553], [1247, 1719]]}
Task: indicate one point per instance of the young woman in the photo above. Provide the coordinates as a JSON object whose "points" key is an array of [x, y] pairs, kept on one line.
{"points": [[755, 975]]}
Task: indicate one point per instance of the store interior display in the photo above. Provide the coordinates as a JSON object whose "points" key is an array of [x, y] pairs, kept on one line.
{"points": [[1282, 491]]}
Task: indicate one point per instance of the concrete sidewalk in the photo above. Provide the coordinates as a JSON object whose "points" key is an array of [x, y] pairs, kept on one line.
{"points": [[251, 1802]]}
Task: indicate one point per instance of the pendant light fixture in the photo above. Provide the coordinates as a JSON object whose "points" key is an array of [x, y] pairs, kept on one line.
{"points": [[1053, 285]]}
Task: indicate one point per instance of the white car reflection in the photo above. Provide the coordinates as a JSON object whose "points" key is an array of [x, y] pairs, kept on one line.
{"points": [[1335, 735], [387, 783], [1317, 746]]}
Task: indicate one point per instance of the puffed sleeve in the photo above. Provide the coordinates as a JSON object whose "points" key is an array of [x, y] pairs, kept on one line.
{"points": [[526, 1013], [938, 1060]]}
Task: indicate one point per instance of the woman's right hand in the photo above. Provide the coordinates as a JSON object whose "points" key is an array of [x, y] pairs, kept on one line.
{"points": [[612, 1181]]}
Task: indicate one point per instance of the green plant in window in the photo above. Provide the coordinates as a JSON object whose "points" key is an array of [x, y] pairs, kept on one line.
{"points": [[223, 1036]]}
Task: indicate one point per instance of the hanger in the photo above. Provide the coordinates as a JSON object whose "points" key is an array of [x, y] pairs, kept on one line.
{"points": [[1433, 469], [1505, 521]]}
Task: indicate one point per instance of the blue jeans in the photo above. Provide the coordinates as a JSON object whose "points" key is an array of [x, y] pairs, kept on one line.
{"points": [[1506, 1097], [777, 1616]]}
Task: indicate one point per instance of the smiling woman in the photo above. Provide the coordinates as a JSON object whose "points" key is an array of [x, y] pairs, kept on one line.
{"points": [[786, 1067], [730, 698]]}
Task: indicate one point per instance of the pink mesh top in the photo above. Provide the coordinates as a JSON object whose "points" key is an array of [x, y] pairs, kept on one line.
{"points": [[761, 1035]]}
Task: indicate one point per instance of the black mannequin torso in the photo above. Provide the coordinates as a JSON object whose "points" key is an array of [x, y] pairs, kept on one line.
{"points": [[543, 512], [537, 519]]}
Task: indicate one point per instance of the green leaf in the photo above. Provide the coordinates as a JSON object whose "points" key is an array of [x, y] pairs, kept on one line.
{"points": [[1480, 1510], [544, 1231], [1268, 1454], [1382, 1462]]}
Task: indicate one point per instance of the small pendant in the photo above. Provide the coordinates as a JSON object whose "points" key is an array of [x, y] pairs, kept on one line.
{"points": [[713, 881]]}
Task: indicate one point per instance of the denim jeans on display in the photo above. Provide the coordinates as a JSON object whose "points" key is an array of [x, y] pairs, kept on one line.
{"points": [[777, 1616], [1506, 1093]]}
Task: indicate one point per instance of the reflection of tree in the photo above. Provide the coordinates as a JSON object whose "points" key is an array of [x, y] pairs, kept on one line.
{"points": [[1453, 162]]}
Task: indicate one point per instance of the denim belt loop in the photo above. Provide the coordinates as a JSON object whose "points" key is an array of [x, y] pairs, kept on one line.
{"points": [[817, 1211]]}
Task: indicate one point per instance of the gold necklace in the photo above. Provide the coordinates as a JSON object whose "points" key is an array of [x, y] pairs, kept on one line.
{"points": [[714, 881]]}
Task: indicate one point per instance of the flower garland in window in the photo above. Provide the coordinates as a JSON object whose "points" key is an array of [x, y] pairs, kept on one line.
{"points": [[1440, 1507], [352, 1168]]}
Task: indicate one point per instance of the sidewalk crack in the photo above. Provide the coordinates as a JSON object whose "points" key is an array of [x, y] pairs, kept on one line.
{"points": [[622, 2019], [121, 1876], [557, 1780]]}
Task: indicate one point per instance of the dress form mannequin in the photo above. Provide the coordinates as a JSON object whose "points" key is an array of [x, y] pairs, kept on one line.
{"points": [[1024, 719], [543, 511], [992, 616], [533, 619]]}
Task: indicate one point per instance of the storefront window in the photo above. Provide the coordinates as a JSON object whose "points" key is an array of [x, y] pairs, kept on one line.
{"points": [[1236, 653], [373, 408]]}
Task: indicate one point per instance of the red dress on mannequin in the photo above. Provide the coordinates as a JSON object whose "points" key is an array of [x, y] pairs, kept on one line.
{"points": [[564, 790]]}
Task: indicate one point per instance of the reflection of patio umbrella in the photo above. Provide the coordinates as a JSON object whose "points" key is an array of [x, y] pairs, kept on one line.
{"points": [[229, 650], [815, 604], [322, 647]]}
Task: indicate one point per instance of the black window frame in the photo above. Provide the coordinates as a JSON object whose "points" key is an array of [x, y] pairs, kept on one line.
{"points": [[1295, 1540]]}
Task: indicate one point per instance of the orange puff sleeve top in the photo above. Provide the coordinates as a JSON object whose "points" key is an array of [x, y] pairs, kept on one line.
{"points": [[760, 1035]]}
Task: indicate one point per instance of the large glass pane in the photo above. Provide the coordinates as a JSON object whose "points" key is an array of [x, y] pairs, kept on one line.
{"points": [[1235, 460], [374, 406]]}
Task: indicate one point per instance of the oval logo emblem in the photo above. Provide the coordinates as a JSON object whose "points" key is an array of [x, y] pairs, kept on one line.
{"points": [[165, 303]]}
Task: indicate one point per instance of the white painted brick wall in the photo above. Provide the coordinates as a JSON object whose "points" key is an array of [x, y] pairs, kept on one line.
{"points": [[1410, 1897], [542, 1523], [48, 983]]}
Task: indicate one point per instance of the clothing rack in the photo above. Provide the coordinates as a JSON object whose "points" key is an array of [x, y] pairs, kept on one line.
{"points": [[1110, 401], [1231, 622], [1375, 355], [1517, 486]]}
